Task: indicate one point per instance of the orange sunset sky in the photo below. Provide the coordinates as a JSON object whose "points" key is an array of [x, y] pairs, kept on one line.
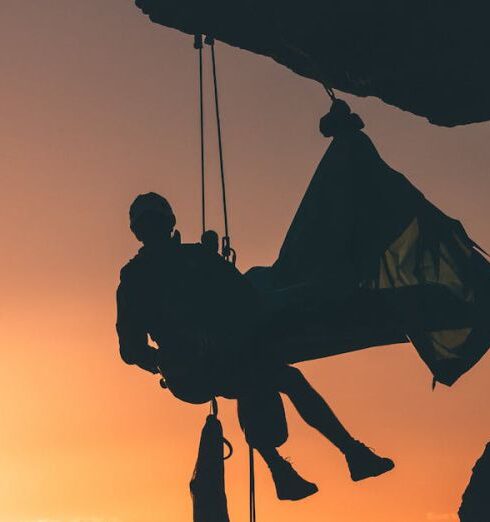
{"points": [[98, 105]]}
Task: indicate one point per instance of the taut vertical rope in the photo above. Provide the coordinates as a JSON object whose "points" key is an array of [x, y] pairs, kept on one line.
{"points": [[198, 46], [227, 251]]}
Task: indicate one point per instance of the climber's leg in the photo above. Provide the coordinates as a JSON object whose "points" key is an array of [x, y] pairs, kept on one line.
{"points": [[262, 418], [317, 413], [313, 408], [289, 484]]}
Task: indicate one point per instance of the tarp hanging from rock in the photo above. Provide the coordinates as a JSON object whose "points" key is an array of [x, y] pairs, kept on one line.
{"points": [[366, 240]]}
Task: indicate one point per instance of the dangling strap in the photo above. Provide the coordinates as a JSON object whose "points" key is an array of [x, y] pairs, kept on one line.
{"points": [[213, 410]]}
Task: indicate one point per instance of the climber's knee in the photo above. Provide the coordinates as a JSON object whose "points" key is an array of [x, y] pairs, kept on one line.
{"points": [[290, 378]]}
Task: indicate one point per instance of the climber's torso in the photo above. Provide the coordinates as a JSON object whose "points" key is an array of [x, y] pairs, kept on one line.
{"points": [[198, 309]]}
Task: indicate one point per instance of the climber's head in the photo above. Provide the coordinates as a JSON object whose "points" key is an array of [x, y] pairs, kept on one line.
{"points": [[151, 218]]}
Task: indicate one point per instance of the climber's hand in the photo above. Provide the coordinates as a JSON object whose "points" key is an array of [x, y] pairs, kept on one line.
{"points": [[148, 360]]}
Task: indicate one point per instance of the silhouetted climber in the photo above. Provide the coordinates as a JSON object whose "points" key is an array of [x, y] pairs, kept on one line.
{"points": [[207, 320], [367, 261]]}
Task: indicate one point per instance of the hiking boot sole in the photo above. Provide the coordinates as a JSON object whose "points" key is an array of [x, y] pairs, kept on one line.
{"points": [[388, 466], [305, 494]]}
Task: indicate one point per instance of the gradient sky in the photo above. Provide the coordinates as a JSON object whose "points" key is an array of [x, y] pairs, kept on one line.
{"points": [[98, 105]]}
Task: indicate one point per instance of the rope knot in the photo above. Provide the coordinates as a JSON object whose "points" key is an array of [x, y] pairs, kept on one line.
{"points": [[340, 120]]}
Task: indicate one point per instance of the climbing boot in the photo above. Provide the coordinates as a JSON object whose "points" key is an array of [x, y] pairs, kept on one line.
{"points": [[289, 484], [364, 463]]}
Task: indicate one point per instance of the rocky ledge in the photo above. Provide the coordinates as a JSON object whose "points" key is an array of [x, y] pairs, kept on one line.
{"points": [[426, 57]]}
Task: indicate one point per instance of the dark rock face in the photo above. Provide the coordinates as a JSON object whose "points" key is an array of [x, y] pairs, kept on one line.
{"points": [[476, 499], [426, 57]]}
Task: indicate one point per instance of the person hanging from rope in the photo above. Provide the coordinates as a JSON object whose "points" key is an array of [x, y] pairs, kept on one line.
{"points": [[207, 320]]}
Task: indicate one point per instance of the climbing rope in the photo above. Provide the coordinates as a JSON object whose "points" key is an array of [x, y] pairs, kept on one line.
{"points": [[198, 46], [226, 250]]}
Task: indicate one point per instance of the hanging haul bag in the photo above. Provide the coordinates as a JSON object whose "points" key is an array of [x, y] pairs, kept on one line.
{"points": [[208, 481]]}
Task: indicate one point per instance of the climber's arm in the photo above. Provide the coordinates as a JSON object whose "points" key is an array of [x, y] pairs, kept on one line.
{"points": [[133, 339]]}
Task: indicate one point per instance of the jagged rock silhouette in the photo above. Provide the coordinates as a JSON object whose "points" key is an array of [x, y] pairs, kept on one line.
{"points": [[476, 499], [427, 58]]}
